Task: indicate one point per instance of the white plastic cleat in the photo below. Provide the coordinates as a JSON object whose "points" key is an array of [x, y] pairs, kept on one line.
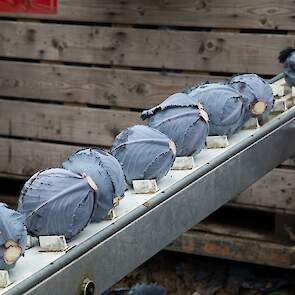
{"points": [[215, 142], [53, 243], [145, 186], [183, 163]]}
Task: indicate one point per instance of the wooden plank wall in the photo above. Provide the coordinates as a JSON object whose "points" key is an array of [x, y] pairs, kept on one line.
{"points": [[79, 77]]}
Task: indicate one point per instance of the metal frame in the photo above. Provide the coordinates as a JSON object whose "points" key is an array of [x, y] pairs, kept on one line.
{"points": [[115, 251]]}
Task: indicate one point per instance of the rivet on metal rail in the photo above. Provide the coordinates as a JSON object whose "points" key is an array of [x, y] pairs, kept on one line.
{"points": [[88, 287]]}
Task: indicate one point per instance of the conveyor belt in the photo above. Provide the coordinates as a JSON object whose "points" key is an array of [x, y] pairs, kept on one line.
{"points": [[107, 251]]}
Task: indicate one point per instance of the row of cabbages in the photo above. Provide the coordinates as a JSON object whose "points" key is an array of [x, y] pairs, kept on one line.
{"points": [[62, 201]]}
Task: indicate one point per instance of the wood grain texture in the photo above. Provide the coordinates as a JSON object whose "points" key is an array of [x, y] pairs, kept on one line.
{"points": [[186, 50], [24, 157], [234, 248], [63, 123], [263, 14], [97, 86], [276, 190], [234, 230]]}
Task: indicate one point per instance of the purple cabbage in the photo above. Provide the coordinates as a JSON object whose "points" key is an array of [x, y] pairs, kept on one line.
{"points": [[257, 94], [224, 105], [182, 121], [144, 153], [57, 202], [13, 236], [287, 57], [105, 171]]}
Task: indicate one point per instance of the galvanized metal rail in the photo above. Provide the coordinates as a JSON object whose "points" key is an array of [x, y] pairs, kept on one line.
{"points": [[107, 251]]}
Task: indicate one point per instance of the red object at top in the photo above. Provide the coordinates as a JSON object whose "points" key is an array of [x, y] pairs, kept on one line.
{"points": [[29, 6]]}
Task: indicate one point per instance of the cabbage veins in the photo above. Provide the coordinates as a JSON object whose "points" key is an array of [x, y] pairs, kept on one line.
{"points": [[13, 237], [144, 153], [224, 105], [105, 171], [57, 202], [183, 121], [257, 94]]}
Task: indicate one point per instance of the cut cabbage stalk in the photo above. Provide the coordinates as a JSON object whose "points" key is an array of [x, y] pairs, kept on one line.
{"points": [[91, 183], [12, 254], [111, 215], [10, 243], [172, 147], [256, 92], [258, 108], [204, 115], [117, 201], [13, 237]]}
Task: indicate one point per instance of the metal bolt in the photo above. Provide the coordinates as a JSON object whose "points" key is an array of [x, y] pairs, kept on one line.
{"points": [[88, 287]]}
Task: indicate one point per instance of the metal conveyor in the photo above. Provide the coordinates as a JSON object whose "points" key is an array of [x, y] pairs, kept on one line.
{"points": [[105, 252]]}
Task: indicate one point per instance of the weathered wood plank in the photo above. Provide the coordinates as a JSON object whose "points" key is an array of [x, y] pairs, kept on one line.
{"points": [[63, 123], [201, 51], [276, 190], [234, 248], [234, 230], [97, 86], [23, 157], [263, 14]]}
